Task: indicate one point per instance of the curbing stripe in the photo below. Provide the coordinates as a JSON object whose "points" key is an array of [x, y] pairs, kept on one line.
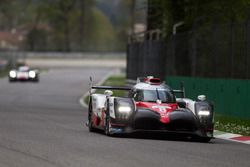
{"points": [[216, 132], [227, 136], [232, 137], [242, 138], [247, 142]]}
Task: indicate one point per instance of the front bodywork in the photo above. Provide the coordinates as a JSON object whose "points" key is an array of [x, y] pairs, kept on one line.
{"points": [[149, 117], [23, 75]]}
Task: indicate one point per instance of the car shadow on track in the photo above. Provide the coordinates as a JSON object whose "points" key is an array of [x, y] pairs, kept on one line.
{"points": [[158, 136]]}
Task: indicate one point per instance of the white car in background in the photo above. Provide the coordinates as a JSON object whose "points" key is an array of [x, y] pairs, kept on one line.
{"points": [[24, 73]]}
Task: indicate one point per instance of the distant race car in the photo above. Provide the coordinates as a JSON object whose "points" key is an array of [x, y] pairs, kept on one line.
{"points": [[151, 106], [24, 73]]}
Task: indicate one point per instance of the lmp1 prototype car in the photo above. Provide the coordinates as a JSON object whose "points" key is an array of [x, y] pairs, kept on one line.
{"points": [[151, 106], [24, 73]]}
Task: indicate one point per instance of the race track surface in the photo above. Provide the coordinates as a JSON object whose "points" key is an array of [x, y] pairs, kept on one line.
{"points": [[42, 125]]}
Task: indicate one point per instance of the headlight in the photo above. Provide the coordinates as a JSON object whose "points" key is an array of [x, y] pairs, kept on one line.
{"points": [[12, 74], [32, 74], [204, 113], [124, 109]]}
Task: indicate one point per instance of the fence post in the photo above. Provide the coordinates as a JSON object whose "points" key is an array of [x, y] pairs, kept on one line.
{"points": [[194, 50], [231, 45], [173, 56], [215, 51], [128, 61], [247, 46]]}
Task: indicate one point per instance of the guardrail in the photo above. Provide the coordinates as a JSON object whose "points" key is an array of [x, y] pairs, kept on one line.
{"points": [[230, 96]]}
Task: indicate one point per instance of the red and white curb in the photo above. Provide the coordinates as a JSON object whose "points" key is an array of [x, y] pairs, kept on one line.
{"points": [[232, 137]]}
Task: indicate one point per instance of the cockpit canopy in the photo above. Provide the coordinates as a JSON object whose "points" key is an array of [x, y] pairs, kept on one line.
{"points": [[152, 95], [23, 69]]}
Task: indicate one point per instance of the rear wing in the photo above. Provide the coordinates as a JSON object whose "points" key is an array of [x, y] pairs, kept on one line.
{"points": [[111, 88], [91, 86], [181, 91]]}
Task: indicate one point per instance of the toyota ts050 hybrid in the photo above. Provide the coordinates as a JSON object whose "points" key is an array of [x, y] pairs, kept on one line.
{"points": [[151, 106], [23, 73]]}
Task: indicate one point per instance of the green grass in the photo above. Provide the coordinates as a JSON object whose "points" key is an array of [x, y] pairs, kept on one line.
{"points": [[232, 125], [4, 73], [112, 81]]}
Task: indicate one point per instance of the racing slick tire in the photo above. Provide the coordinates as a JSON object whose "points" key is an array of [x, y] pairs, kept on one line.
{"points": [[205, 140], [107, 126], [11, 80], [90, 125], [202, 139], [90, 122]]}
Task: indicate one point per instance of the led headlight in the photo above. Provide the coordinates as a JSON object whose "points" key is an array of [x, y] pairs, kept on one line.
{"points": [[204, 113], [32, 74], [124, 109], [12, 74]]}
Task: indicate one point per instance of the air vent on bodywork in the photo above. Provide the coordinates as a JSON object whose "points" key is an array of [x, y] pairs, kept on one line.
{"points": [[153, 81]]}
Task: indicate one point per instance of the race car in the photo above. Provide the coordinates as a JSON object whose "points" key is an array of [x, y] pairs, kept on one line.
{"points": [[151, 106], [24, 73]]}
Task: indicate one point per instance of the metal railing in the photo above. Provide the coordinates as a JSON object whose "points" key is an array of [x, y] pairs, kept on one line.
{"points": [[212, 51]]}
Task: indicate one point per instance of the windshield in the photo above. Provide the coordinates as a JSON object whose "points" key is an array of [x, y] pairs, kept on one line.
{"points": [[154, 95], [23, 69]]}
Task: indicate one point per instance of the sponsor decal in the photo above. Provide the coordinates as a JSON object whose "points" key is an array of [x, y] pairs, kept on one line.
{"points": [[161, 108]]}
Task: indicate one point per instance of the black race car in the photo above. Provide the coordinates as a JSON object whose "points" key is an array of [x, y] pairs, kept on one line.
{"points": [[151, 106]]}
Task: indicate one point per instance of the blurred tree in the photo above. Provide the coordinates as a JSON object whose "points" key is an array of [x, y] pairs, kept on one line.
{"points": [[60, 13], [37, 40], [164, 14], [6, 14], [67, 25]]}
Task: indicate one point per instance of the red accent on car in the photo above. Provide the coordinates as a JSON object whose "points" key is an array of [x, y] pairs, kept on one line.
{"points": [[163, 109], [103, 118], [153, 81], [96, 120]]}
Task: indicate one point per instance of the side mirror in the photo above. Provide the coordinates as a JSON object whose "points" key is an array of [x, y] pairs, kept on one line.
{"points": [[108, 92], [201, 98]]}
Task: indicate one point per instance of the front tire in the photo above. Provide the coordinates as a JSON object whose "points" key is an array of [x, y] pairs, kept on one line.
{"points": [[202, 139], [90, 122], [205, 140], [107, 126]]}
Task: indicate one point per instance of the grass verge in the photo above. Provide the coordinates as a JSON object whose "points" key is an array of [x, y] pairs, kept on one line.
{"points": [[232, 125], [116, 80], [222, 123], [4, 73]]}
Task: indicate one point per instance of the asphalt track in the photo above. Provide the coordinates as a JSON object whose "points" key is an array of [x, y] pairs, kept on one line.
{"points": [[42, 125]]}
